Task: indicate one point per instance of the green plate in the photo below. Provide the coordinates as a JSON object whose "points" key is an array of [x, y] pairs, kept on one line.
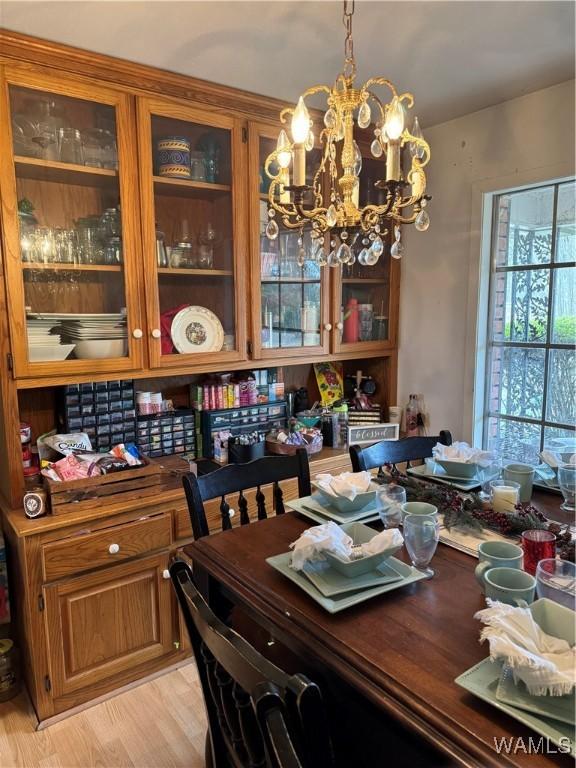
{"points": [[316, 509], [340, 602], [561, 708], [482, 680], [329, 582]]}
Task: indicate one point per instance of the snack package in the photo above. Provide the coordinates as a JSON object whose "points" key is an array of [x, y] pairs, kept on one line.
{"points": [[122, 452], [67, 444], [69, 468]]}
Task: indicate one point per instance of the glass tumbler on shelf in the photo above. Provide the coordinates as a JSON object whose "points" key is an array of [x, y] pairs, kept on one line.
{"points": [[538, 545], [567, 483], [46, 137], [366, 318], [421, 536], [556, 580], [389, 501], [70, 146]]}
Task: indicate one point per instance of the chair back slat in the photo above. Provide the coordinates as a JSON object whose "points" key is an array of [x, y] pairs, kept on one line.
{"points": [[258, 716], [243, 507], [394, 452], [253, 741], [236, 479], [225, 514], [261, 504], [278, 499]]}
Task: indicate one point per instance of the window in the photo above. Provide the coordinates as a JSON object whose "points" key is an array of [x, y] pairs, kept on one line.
{"points": [[530, 391]]}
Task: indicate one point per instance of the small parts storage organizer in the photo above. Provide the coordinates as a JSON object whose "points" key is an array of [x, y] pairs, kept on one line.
{"points": [[166, 433], [86, 493], [237, 421]]}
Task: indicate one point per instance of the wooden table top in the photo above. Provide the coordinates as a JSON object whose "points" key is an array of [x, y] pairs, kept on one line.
{"points": [[402, 650]]}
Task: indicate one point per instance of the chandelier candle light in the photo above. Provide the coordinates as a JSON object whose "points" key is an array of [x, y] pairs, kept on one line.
{"points": [[329, 208]]}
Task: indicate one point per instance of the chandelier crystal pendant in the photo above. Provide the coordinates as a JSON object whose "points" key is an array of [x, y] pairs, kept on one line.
{"points": [[342, 231]]}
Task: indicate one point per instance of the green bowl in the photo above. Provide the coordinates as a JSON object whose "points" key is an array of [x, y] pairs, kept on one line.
{"points": [[342, 504], [360, 534], [458, 468]]}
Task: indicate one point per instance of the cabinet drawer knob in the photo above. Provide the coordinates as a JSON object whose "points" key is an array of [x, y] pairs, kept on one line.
{"points": [[340, 326], [328, 327], [165, 573], [156, 333], [114, 549], [137, 333]]}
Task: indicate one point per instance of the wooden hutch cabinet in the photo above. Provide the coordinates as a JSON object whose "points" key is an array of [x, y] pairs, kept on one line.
{"points": [[92, 601]]}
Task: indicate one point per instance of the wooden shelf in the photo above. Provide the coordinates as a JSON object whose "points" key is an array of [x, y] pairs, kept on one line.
{"points": [[72, 267], [365, 280], [195, 272], [188, 187], [64, 173]]}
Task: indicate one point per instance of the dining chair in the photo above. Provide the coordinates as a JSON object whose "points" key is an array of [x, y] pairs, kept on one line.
{"points": [[394, 452], [238, 478], [258, 716]]}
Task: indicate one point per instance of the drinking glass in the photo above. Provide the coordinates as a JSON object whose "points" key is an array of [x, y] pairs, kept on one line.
{"points": [[421, 536], [46, 138], [556, 580], [487, 474], [567, 483], [389, 500], [70, 146], [537, 545]]}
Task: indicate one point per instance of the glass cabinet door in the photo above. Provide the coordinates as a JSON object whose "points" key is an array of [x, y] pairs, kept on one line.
{"points": [[290, 299], [194, 234], [366, 297], [67, 167]]}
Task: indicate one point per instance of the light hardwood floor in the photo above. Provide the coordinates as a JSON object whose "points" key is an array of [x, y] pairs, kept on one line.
{"points": [[160, 724]]}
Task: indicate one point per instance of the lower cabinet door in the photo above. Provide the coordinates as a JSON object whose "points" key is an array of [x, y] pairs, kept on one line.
{"points": [[105, 627]]}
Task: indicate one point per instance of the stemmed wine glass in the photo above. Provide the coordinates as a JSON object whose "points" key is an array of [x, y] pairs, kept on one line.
{"points": [[421, 536]]}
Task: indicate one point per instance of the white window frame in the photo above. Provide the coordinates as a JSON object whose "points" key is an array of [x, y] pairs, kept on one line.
{"points": [[482, 204]]}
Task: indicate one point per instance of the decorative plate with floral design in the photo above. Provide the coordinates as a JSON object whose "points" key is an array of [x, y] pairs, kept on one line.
{"points": [[197, 329]]}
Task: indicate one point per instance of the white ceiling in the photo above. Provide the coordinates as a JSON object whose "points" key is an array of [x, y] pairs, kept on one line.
{"points": [[456, 57]]}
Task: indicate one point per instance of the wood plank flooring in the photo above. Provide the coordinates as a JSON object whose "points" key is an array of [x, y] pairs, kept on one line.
{"points": [[160, 724]]}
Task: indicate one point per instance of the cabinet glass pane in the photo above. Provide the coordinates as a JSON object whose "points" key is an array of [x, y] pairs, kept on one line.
{"points": [[70, 226], [291, 295], [364, 310], [194, 237]]}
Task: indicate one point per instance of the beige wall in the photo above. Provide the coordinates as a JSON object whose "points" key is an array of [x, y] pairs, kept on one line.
{"points": [[522, 141]]}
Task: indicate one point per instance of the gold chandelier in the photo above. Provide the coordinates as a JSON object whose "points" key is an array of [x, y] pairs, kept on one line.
{"points": [[329, 207]]}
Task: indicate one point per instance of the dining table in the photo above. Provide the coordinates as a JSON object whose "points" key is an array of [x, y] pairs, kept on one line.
{"points": [[400, 651]]}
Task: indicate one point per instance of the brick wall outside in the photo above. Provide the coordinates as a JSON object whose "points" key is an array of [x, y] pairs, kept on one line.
{"points": [[499, 293]]}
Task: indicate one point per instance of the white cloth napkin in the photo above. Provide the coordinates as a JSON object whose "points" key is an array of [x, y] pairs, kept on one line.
{"points": [[348, 484], [545, 664], [555, 459], [315, 540], [329, 536], [462, 452], [383, 541]]}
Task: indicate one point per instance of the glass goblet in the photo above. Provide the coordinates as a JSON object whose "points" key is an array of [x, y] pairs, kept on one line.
{"points": [[421, 536], [390, 499], [567, 483]]}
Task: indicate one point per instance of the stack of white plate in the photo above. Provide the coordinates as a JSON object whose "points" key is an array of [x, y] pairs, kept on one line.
{"points": [[96, 336], [44, 346]]}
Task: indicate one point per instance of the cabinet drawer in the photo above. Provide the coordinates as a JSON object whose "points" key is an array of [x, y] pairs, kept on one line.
{"points": [[105, 547]]}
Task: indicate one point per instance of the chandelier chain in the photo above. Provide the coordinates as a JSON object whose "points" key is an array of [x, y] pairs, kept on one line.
{"points": [[347, 21]]}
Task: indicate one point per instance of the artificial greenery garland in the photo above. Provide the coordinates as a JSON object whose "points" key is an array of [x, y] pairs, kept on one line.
{"points": [[472, 512]]}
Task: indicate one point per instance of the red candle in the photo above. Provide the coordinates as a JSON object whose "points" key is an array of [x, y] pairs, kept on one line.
{"points": [[537, 545]]}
